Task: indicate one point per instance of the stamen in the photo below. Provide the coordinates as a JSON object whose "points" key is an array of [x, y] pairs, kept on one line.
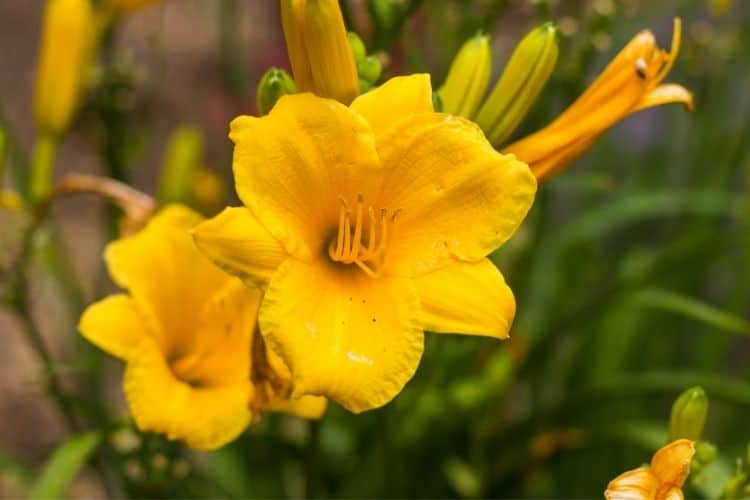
{"points": [[349, 246], [641, 67]]}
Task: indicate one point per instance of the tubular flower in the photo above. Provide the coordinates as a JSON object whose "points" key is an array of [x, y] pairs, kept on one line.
{"points": [[185, 331], [319, 50], [661, 480], [365, 226], [630, 83]]}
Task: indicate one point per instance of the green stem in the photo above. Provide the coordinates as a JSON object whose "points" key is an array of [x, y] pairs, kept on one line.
{"points": [[42, 166]]}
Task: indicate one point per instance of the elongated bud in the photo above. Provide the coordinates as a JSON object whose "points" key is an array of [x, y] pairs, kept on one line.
{"points": [[65, 48], [319, 51], [688, 415], [523, 79], [275, 84], [468, 78], [182, 159]]}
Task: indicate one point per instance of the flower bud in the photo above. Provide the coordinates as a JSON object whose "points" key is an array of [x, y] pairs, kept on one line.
{"points": [[182, 158], [318, 47], [369, 68], [523, 79], [68, 30], [468, 77], [275, 84], [688, 415]]}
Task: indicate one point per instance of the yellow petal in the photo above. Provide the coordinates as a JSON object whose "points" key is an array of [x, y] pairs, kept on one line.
{"points": [[310, 407], [240, 245], [219, 353], [114, 325], [205, 418], [638, 484], [673, 494], [292, 165], [343, 335], [671, 464], [167, 276], [395, 100], [469, 298], [665, 94], [457, 196]]}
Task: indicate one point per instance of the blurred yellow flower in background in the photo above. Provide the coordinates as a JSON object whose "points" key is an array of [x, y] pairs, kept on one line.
{"points": [[186, 333], [661, 480], [64, 54], [631, 82], [366, 226]]}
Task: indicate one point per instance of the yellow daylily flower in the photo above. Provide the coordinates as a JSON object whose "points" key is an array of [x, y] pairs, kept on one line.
{"points": [[661, 480], [630, 83], [366, 225], [186, 333]]}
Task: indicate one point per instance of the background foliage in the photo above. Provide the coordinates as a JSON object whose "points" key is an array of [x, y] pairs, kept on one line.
{"points": [[632, 273]]}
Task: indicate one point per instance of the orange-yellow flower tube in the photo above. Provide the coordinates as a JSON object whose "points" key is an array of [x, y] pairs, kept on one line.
{"points": [[630, 83], [661, 480], [319, 51]]}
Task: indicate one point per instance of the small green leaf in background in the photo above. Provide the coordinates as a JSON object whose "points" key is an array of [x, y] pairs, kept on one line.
{"points": [[677, 303], [64, 465]]}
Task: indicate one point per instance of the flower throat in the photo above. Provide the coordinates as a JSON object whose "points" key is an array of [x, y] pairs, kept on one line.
{"points": [[354, 244]]}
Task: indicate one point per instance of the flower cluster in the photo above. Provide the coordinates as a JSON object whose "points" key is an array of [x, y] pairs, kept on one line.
{"points": [[366, 220]]}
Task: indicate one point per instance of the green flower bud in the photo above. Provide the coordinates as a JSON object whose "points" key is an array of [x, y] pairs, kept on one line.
{"points": [[468, 77], [370, 69], [358, 47], [688, 415], [523, 79], [705, 452], [275, 84], [182, 158]]}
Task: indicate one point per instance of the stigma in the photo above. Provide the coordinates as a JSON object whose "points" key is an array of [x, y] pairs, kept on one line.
{"points": [[362, 236]]}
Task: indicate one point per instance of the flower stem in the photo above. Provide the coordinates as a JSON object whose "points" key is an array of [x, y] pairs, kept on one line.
{"points": [[42, 166]]}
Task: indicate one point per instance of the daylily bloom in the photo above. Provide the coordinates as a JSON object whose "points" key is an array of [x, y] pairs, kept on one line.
{"points": [[661, 480], [631, 82], [186, 332], [366, 225]]}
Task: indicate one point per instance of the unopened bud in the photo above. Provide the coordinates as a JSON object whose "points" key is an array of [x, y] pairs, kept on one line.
{"points": [[68, 31], [182, 158], [318, 47], [705, 452], [369, 68], [275, 84], [523, 79], [688, 415], [468, 78]]}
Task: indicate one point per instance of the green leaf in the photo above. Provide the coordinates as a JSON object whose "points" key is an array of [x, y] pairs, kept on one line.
{"points": [[64, 465], [680, 304]]}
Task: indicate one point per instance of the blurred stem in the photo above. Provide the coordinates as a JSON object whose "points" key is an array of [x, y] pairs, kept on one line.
{"points": [[312, 483], [36, 341], [42, 166], [347, 13], [232, 61]]}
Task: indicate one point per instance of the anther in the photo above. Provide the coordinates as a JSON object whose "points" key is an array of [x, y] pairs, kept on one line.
{"points": [[641, 67]]}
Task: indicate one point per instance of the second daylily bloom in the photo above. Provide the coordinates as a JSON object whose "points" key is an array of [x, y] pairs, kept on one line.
{"points": [[365, 226], [661, 480], [631, 82], [186, 332]]}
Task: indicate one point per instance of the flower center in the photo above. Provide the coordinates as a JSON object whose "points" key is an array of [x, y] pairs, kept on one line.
{"points": [[360, 239]]}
